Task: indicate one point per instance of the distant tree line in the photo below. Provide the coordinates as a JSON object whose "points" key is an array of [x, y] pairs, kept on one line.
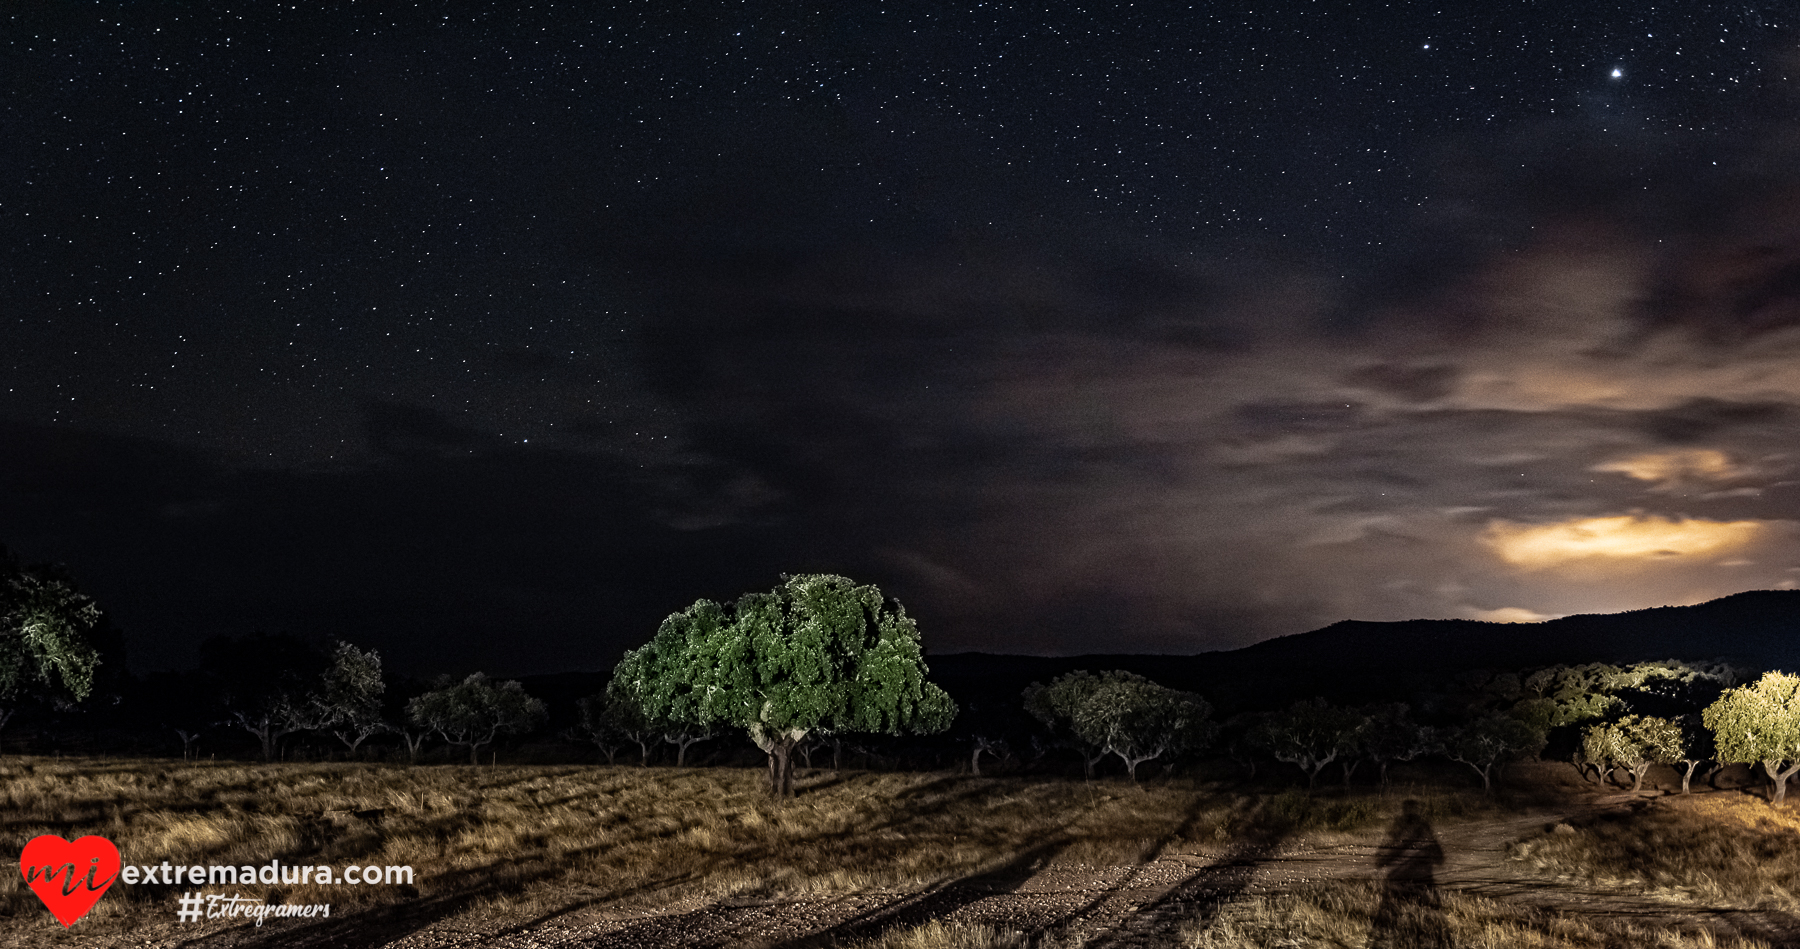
{"points": [[820, 659]]}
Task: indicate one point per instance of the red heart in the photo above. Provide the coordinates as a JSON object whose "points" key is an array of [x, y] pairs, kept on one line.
{"points": [[69, 877]]}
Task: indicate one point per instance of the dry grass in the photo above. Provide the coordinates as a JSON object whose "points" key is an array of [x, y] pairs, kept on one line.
{"points": [[529, 840], [1727, 849], [1350, 913]]}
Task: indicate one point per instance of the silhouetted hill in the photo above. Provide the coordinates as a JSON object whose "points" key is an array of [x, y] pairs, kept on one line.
{"points": [[1356, 661]]}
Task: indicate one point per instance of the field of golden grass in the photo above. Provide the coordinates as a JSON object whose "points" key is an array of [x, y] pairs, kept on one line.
{"points": [[1340, 913], [531, 840], [1723, 849], [525, 843]]}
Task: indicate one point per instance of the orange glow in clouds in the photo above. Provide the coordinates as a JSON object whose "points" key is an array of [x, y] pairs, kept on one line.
{"points": [[1703, 464], [1615, 538]]}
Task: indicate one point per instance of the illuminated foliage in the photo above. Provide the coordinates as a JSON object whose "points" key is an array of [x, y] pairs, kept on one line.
{"points": [[1635, 743], [1760, 724], [44, 627], [817, 653]]}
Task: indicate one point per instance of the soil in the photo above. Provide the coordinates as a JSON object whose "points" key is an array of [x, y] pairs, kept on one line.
{"points": [[1092, 906]]}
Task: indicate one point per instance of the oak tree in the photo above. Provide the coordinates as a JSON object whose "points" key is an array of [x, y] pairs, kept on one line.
{"points": [[818, 652], [1760, 724], [475, 711]]}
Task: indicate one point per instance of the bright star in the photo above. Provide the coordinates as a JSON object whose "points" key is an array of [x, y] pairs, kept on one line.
{"points": [[1618, 72]]}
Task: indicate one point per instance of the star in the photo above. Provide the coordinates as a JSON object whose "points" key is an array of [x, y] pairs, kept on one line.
{"points": [[1618, 73]]}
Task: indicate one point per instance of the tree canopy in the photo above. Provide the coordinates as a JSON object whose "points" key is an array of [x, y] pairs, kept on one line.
{"points": [[351, 698], [475, 711], [1634, 743], [1311, 735], [1124, 714], [817, 653], [1760, 723], [44, 636]]}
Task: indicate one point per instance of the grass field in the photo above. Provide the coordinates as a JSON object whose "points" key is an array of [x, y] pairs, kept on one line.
{"points": [[1728, 849], [528, 842]]}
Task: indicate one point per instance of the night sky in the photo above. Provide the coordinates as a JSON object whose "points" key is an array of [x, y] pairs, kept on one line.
{"points": [[488, 336]]}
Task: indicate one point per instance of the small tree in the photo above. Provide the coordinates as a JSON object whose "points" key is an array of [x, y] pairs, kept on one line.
{"points": [[1058, 704], [1124, 714], [414, 737], [1489, 740], [1695, 750], [599, 725], [684, 736], [982, 744], [1311, 735], [264, 682], [1600, 748], [817, 652], [475, 711], [1760, 724], [44, 630], [351, 699], [1391, 735]]}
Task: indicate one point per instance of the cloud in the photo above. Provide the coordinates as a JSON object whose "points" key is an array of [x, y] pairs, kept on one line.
{"points": [[1508, 614], [1536, 546], [1670, 469]]}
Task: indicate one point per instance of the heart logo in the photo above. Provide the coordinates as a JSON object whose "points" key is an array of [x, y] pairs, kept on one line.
{"points": [[69, 877]]}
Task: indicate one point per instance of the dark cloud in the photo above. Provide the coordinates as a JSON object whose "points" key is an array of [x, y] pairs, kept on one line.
{"points": [[445, 558]]}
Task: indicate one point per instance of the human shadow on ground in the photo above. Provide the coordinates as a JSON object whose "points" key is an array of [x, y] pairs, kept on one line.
{"points": [[1411, 914]]}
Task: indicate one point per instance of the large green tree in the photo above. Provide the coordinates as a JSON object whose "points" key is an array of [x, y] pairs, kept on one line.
{"points": [[1760, 724], [818, 652], [44, 636]]}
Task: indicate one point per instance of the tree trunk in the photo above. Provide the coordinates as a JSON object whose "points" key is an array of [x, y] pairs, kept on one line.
{"points": [[682, 744], [975, 761], [474, 750], [781, 768], [1312, 777], [1487, 784], [1384, 766], [1637, 777], [1687, 777], [1780, 777], [1349, 769]]}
